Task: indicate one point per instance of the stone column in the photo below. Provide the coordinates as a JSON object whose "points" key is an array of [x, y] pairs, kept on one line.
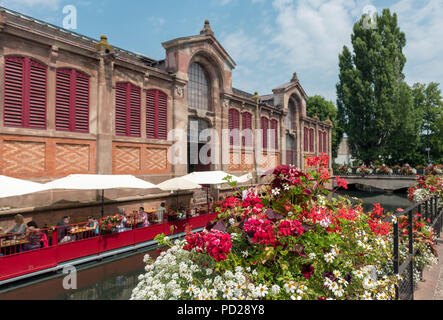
{"points": [[105, 115], [179, 121]]}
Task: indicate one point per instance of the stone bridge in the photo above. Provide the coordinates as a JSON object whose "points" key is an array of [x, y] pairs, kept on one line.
{"points": [[384, 183]]}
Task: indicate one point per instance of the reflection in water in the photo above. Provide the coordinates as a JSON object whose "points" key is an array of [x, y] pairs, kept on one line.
{"points": [[116, 280], [110, 281], [390, 202]]}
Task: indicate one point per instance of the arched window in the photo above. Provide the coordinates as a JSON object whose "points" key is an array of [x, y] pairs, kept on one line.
{"points": [[198, 87], [156, 115], [247, 125], [320, 142], [234, 124], [24, 93], [72, 101], [127, 109]]}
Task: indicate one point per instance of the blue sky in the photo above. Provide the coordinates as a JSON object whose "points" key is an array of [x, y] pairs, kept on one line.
{"points": [[268, 39]]}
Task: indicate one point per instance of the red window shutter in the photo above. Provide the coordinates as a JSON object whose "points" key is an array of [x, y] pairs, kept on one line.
{"points": [[63, 100], [121, 93], [265, 127], [325, 142], [82, 102], [274, 127], [247, 124], [72, 101], [320, 141], [234, 123], [162, 116], [134, 112], [37, 95], [311, 140], [151, 106], [25, 93], [305, 140], [156, 115], [13, 91], [127, 110]]}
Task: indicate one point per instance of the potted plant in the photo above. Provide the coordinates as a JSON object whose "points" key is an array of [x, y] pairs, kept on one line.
{"points": [[108, 224], [385, 170], [396, 169]]}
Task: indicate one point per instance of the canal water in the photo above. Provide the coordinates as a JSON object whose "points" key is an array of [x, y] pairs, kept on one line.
{"points": [[115, 280]]}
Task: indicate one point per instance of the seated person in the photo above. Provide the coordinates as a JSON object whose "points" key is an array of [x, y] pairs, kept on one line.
{"points": [[19, 229], [161, 211], [122, 227], [63, 230], [33, 235], [92, 223], [144, 216]]}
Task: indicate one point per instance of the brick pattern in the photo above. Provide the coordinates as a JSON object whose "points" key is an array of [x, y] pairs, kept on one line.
{"points": [[270, 161], [157, 159], [72, 158], [22, 158], [38, 157], [127, 159], [243, 161], [140, 159]]}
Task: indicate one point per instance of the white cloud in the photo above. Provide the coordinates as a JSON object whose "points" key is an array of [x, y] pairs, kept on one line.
{"points": [[29, 4], [423, 24]]}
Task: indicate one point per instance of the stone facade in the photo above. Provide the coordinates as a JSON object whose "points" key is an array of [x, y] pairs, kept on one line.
{"points": [[43, 155]]}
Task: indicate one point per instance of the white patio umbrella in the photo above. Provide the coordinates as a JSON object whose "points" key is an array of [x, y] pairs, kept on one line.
{"points": [[178, 184], [209, 177], [99, 182], [12, 187], [245, 178]]}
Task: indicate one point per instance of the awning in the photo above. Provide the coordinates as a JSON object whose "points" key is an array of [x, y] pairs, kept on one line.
{"points": [[177, 184], [12, 187]]}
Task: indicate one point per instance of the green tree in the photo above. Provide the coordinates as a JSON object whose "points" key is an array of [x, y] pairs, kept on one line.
{"points": [[317, 105], [428, 102], [370, 81]]}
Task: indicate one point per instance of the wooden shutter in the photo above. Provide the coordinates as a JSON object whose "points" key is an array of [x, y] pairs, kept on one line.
{"points": [[325, 142], [37, 95], [265, 127], [25, 93], [63, 100], [247, 124], [234, 123], [305, 140], [311, 140], [274, 127], [121, 93], [320, 141], [127, 110], [13, 91], [134, 111], [156, 115], [72, 101], [81, 102]]}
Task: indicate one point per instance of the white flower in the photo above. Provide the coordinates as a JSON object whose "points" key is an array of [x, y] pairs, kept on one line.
{"points": [[286, 187], [275, 192], [368, 283], [231, 222], [312, 256], [275, 289], [245, 254], [325, 222], [296, 298], [359, 274], [261, 291], [290, 287], [329, 257], [337, 273], [367, 296]]}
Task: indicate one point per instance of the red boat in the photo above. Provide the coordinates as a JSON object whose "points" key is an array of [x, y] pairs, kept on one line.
{"points": [[20, 261]]}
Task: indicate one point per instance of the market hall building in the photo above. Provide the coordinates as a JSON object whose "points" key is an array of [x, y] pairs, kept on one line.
{"points": [[74, 105]]}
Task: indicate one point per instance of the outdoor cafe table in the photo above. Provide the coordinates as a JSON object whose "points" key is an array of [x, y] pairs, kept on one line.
{"points": [[6, 245], [81, 232]]}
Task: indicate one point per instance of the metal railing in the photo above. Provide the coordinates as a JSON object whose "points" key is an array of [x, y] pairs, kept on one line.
{"points": [[430, 209]]}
